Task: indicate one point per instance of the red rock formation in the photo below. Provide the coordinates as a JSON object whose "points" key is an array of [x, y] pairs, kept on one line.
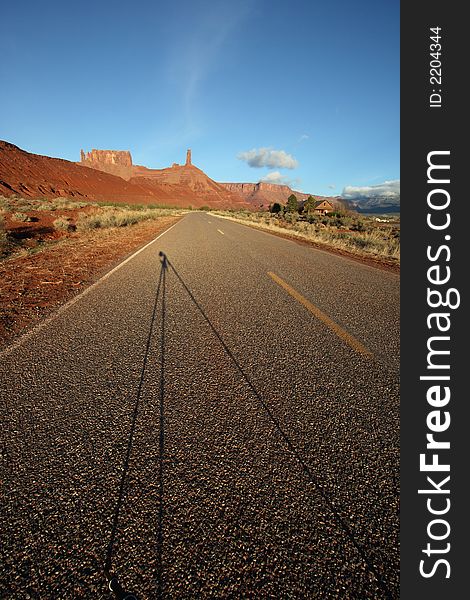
{"points": [[32, 175], [180, 181], [200, 187], [36, 176], [262, 194], [116, 162]]}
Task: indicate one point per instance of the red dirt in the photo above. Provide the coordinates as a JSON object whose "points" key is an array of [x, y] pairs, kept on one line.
{"points": [[33, 286]]}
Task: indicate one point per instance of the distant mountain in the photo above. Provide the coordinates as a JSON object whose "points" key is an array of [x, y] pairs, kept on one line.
{"points": [[377, 204], [260, 195]]}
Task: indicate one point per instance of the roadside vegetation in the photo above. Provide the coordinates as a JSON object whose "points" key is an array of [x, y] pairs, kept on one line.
{"points": [[110, 216], [31, 225], [362, 235]]}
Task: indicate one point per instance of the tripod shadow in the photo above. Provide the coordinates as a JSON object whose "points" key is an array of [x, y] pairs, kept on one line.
{"points": [[290, 445], [112, 579], [167, 266], [161, 442]]}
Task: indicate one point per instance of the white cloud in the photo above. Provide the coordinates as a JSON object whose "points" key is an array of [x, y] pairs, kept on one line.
{"points": [[387, 189], [304, 137], [274, 177], [280, 179], [266, 157]]}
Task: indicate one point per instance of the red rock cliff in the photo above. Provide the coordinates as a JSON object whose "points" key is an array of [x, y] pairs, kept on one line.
{"points": [[115, 162], [262, 194]]}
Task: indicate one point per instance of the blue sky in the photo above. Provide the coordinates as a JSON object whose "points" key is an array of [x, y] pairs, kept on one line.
{"points": [[306, 92]]}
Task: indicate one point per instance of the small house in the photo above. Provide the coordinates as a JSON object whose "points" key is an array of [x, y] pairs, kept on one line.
{"points": [[323, 207]]}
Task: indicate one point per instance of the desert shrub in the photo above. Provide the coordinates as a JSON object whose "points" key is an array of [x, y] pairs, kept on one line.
{"points": [[46, 206], [20, 216], [292, 217], [62, 224], [358, 225], [375, 241], [117, 217], [85, 223], [312, 218], [4, 240], [5, 203], [61, 203]]}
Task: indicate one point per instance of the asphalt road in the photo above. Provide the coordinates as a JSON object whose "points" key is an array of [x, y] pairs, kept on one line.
{"points": [[197, 426]]}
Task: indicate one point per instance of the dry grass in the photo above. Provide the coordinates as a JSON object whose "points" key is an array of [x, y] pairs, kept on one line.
{"points": [[42, 230], [111, 216], [3, 234], [20, 216], [62, 224], [361, 235]]}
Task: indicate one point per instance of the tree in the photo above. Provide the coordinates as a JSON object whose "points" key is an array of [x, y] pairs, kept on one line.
{"points": [[292, 204], [275, 208], [309, 206]]}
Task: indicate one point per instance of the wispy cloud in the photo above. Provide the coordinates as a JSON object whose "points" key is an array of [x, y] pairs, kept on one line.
{"points": [[196, 56], [387, 189], [267, 157], [304, 137], [331, 186]]}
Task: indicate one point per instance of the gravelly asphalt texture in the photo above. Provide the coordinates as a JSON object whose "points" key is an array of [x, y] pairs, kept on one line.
{"points": [[193, 423]]}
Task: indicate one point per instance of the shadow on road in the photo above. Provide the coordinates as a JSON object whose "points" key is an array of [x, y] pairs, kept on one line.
{"points": [[112, 579], [285, 437], [166, 266]]}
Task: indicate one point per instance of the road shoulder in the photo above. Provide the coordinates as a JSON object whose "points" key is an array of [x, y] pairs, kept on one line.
{"points": [[34, 286]]}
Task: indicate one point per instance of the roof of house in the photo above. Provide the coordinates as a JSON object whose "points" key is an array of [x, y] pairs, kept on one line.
{"points": [[319, 203]]}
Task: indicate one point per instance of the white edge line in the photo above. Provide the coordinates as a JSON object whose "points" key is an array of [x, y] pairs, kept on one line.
{"points": [[23, 337]]}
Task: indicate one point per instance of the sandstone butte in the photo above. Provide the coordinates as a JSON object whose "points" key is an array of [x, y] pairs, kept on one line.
{"points": [[35, 176], [111, 176]]}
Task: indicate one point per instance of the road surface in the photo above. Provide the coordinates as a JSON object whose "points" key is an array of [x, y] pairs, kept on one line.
{"points": [[219, 417]]}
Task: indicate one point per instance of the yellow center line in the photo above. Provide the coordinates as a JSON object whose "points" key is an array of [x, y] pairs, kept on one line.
{"points": [[319, 314], [221, 232]]}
